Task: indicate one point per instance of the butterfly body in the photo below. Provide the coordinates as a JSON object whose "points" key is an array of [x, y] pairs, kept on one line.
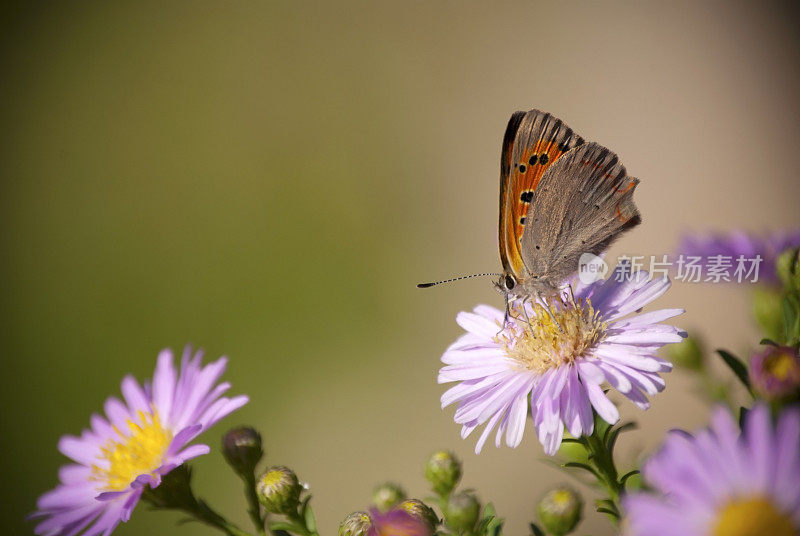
{"points": [[560, 197]]}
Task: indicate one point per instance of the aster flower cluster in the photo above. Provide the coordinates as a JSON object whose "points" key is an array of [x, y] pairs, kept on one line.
{"points": [[739, 244], [554, 364], [561, 366]]}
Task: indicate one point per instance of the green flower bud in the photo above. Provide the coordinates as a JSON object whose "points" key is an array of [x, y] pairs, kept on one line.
{"points": [[443, 471], [788, 267], [767, 311], [570, 451], [461, 512], [355, 524], [560, 510], [421, 512], [387, 495], [688, 354], [242, 450], [279, 490]]}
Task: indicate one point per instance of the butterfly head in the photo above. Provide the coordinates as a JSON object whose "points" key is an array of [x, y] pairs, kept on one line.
{"points": [[506, 283], [533, 285]]}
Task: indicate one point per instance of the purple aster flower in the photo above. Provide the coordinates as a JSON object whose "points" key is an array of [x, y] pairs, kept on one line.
{"points": [[141, 438], [725, 250], [723, 481], [397, 522], [775, 372], [562, 371]]}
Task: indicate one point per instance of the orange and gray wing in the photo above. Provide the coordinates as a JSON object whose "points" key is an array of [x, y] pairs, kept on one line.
{"points": [[583, 204], [533, 141]]}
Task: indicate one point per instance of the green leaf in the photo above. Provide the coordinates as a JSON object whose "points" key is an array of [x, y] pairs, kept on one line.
{"points": [[495, 528], [612, 439], [608, 503], [607, 506], [483, 525], [736, 365], [627, 475], [536, 530], [489, 511], [283, 525], [604, 510], [791, 318], [304, 505], [576, 465], [601, 427], [308, 516]]}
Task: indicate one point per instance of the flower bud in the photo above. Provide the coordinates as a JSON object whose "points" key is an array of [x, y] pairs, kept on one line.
{"points": [[278, 490], [443, 471], [767, 310], [421, 512], [688, 354], [355, 524], [788, 267], [560, 510], [387, 495], [775, 373], [242, 449], [571, 451], [461, 512]]}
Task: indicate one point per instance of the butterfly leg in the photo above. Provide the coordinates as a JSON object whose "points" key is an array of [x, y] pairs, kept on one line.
{"points": [[507, 315], [505, 318], [527, 318], [550, 312]]}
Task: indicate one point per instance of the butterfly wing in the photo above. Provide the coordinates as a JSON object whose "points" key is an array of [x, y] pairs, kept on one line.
{"points": [[505, 238], [583, 203], [533, 142]]}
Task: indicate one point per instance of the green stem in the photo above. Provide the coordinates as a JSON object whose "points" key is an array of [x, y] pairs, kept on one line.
{"points": [[300, 525], [253, 506], [197, 509], [208, 516], [604, 464]]}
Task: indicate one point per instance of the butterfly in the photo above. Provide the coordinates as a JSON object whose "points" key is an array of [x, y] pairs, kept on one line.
{"points": [[560, 197]]}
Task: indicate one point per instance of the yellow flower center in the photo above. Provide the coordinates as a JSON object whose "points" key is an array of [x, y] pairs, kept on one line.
{"points": [[562, 497], [551, 341], [754, 516], [782, 365], [139, 452], [272, 478]]}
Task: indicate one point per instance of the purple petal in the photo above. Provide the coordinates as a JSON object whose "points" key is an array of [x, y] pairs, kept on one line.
{"points": [[164, 384], [134, 395], [78, 449], [477, 324], [604, 407]]}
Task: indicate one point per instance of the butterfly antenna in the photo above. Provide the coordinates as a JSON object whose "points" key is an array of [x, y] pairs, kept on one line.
{"points": [[427, 285]]}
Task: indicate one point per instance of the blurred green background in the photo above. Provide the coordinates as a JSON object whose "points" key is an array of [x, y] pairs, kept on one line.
{"points": [[268, 180]]}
